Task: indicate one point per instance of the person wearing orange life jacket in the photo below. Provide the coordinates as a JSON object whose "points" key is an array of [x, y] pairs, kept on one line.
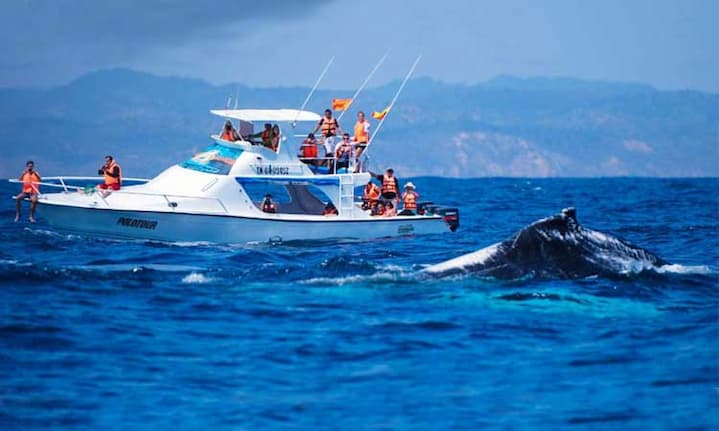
{"points": [[371, 195], [308, 150], [267, 205], [330, 127], [30, 190], [265, 136], [390, 185], [112, 173], [229, 133], [361, 136], [409, 200]]}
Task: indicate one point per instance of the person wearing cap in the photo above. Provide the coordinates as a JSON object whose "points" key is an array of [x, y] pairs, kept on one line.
{"points": [[267, 205], [409, 198]]}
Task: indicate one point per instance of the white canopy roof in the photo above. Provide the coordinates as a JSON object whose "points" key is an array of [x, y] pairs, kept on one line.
{"points": [[270, 115]]}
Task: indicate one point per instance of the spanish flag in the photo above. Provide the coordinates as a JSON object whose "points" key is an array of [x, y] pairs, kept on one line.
{"points": [[380, 115], [341, 104]]}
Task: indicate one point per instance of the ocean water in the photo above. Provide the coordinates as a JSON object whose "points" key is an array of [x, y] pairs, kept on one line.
{"points": [[107, 334]]}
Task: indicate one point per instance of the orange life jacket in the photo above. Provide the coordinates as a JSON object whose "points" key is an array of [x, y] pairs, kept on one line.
{"points": [[309, 149], [27, 182], [268, 206], [329, 126], [389, 184], [410, 201], [371, 192], [266, 138], [361, 134], [109, 180], [227, 136]]}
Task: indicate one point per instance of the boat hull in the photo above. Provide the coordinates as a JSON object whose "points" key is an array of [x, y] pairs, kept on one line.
{"points": [[187, 227]]}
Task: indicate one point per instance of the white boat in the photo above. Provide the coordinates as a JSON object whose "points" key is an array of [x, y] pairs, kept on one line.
{"points": [[216, 196]]}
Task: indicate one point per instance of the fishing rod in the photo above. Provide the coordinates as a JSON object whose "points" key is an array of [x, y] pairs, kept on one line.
{"points": [[361, 87], [309, 96], [394, 99]]}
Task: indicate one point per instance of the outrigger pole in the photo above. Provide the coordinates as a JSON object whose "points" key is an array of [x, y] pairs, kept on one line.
{"points": [[394, 99], [361, 87], [309, 96]]}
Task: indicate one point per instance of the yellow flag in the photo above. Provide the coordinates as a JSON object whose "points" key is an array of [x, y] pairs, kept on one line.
{"points": [[380, 115]]}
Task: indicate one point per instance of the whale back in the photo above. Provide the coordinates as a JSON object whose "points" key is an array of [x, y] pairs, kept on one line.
{"points": [[553, 247]]}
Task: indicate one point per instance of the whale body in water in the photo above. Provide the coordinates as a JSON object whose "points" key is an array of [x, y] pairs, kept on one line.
{"points": [[554, 247]]}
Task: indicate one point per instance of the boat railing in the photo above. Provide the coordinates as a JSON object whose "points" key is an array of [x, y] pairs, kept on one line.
{"points": [[330, 164], [64, 183]]}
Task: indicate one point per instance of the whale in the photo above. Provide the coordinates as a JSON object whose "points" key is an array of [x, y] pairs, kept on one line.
{"points": [[553, 247]]}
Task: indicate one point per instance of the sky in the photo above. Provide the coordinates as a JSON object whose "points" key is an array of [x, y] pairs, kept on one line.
{"points": [[670, 44]]}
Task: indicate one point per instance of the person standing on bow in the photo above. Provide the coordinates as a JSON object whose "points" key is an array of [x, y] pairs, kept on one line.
{"points": [[390, 185], [330, 127], [30, 189], [112, 173]]}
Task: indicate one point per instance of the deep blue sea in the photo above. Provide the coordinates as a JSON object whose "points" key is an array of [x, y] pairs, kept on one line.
{"points": [[107, 334]]}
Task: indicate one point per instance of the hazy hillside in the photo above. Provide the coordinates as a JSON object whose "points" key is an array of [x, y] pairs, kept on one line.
{"points": [[504, 127]]}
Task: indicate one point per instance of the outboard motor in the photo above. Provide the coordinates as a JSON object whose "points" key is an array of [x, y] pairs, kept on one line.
{"points": [[450, 216]]}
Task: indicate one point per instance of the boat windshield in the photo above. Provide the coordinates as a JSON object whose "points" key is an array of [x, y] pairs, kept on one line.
{"points": [[215, 159]]}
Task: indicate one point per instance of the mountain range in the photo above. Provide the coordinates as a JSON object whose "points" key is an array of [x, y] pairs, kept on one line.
{"points": [[507, 126]]}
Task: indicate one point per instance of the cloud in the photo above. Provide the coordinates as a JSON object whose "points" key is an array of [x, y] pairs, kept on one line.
{"points": [[636, 146], [86, 34]]}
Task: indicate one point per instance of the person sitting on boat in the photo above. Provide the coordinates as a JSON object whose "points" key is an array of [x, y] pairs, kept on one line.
{"points": [[343, 151], [409, 200], [275, 139], [390, 185], [265, 136], [390, 210], [267, 205], [370, 196], [112, 173], [330, 127], [229, 133], [330, 210], [308, 150], [30, 189], [379, 209]]}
